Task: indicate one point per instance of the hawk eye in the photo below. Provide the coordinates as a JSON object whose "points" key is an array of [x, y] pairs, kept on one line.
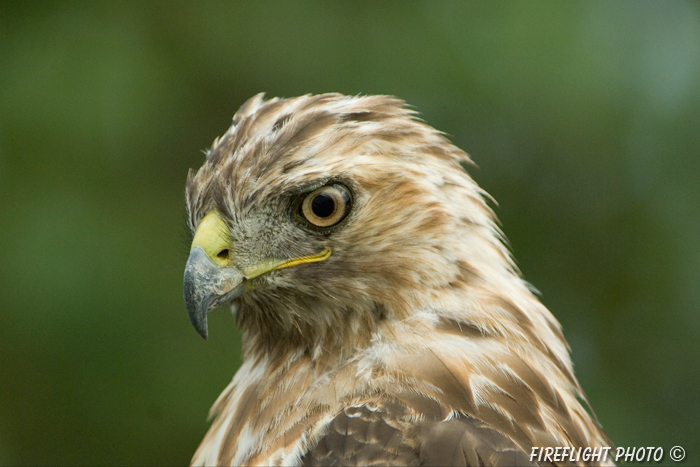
{"points": [[326, 206]]}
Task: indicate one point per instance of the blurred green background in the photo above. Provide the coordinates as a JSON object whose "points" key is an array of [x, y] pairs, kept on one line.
{"points": [[584, 119]]}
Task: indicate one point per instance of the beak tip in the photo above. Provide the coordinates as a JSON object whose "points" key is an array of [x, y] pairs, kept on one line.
{"points": [[206, 286], [201, 326], [198, 318]]}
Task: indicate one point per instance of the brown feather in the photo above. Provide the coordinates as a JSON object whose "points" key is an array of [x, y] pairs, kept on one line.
{"points": [[416, 342]]}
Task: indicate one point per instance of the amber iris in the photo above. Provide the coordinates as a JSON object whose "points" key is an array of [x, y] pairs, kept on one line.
{"points": [[326, 206]]}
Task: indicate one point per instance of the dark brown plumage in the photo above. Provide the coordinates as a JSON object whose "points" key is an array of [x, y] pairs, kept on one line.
{"points": [[383, 320]]}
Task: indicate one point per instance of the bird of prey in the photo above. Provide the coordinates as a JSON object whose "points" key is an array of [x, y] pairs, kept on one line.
{"points": [[383, 319]]}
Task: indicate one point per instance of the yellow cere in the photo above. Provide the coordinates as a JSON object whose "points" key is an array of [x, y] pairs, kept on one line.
{"points": [[212, 237]]}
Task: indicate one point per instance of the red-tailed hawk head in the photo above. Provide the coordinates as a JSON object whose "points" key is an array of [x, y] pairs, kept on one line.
{"points": [[383, 319]]}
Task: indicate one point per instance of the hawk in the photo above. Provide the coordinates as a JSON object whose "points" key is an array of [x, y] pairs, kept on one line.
{"points": [[383, 319]]}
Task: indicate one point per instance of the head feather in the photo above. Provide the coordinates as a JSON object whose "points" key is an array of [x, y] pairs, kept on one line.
{"points": [[420, 299]]}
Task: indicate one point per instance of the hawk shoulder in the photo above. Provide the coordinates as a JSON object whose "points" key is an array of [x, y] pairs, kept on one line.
{"points": [[388, 432]]}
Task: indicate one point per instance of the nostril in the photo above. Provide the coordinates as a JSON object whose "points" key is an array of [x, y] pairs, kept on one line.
{"points": [[223, 254]]}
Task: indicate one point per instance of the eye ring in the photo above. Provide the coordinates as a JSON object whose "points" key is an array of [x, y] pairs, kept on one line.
{"points": [[326, 206]]}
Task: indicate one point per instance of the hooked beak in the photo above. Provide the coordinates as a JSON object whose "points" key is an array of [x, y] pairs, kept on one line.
{"points": [[213, 279], [207, 286]]}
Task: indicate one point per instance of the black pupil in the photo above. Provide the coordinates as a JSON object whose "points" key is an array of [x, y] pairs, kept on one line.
{"points": [[323, 205]]}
